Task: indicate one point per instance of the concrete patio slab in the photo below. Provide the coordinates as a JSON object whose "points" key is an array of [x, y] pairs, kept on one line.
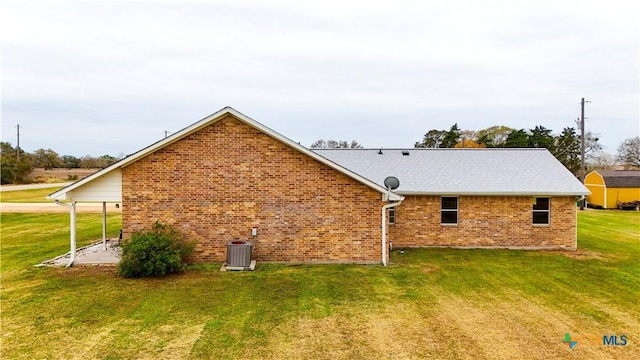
{"points": [[94, 254], [99, 257]]}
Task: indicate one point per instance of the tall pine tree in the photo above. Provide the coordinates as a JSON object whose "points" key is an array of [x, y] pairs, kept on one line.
{"points": [[567, 149]]}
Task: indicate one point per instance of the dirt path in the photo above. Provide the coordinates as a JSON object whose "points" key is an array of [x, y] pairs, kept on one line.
{"points": [[53, 208], [32, 186]]}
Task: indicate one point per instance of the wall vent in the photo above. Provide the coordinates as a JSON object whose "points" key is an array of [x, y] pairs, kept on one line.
{"points": [[405, 152]]}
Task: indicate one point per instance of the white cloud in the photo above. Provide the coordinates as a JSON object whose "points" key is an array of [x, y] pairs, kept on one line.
{"points": [[379, 72]]}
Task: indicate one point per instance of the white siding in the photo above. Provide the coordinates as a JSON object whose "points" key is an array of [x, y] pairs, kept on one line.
{"points": [[107, 187]]}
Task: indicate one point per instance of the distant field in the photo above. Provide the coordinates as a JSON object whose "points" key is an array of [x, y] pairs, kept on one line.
{"points": [[428, 304], [27, 196], [59, 175]]}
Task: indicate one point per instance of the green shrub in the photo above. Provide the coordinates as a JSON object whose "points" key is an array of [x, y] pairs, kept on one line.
{"points": [[159, 251]]}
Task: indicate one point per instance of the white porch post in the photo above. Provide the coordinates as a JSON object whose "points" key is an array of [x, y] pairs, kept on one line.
{"points": [[104, 224], [71, 207], [73, 234]]}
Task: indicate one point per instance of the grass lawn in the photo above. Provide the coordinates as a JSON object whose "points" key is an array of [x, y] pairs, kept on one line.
{"points": [[27, 196], [429, 303]]}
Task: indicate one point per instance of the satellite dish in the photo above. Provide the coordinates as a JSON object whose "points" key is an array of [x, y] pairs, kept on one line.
{"points": [[391, 182]]}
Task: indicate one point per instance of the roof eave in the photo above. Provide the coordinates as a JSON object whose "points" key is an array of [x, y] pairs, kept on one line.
{"points": [[506, 193]]}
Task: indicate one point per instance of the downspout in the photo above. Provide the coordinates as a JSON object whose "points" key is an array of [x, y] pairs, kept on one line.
{"points": [[582, 197], [384, 229], [72, 207]]}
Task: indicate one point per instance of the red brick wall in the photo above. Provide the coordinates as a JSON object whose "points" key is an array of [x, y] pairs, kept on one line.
{"points": [[484, 221], [218, 183]]}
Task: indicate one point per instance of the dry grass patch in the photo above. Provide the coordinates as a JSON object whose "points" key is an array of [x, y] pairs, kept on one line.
{"points": [[430, 268], [511, 327], [580, 254], [390, 331]]}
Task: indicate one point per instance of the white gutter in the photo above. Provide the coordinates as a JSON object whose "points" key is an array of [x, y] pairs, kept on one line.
{"points": [[384, 229], [491, 193], [72, 207]]}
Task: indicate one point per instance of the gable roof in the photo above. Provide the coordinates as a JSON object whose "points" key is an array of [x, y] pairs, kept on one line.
{"points": [[621, 178], [84, 186], [462, 171]]}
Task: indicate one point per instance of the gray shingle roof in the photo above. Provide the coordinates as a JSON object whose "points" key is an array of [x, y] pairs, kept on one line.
{"points": [[462, 171], [621, 178]]}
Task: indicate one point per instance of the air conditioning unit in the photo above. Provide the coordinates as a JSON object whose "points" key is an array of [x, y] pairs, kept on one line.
{"points": [[239, 254]]}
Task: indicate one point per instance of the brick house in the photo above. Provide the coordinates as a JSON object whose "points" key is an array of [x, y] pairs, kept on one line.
{"points": [[489, 198], [227, 174]]}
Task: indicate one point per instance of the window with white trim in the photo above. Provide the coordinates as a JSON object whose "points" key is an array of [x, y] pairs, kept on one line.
{"points": [[541, 210], [449, 210], [392, 216]]}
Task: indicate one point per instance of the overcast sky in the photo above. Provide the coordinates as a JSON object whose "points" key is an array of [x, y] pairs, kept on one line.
{"points": [[109, 77]]}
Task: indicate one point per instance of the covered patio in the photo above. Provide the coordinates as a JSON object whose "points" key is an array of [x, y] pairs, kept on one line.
{"points": [[101, 187]]}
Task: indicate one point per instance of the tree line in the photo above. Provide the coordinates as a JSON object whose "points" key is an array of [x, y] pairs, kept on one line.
{"points": [[565, 146], [17, 164], [336, 144]]}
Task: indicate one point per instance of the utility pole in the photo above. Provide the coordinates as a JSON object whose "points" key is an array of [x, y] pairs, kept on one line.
{"points": [[583, 169], [18, 143]]}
